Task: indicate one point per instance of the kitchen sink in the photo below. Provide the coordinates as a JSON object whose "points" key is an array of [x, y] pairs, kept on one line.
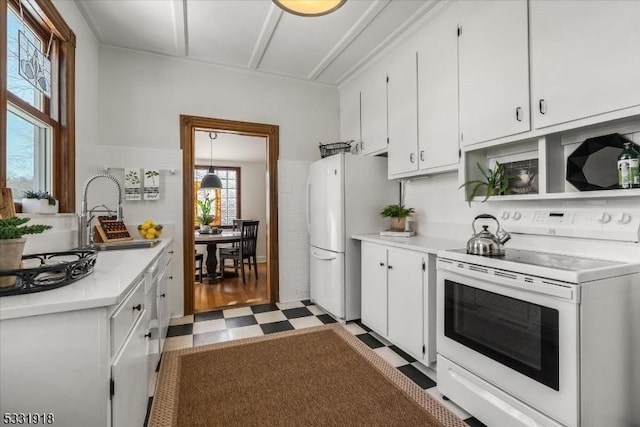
{"points": [[131, 244]]}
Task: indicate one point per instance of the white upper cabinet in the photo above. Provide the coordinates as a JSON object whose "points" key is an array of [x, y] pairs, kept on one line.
{"points": [[350, 115], [585, 59], [402, 106], [494, 70], [438, 93], [373, 111]]}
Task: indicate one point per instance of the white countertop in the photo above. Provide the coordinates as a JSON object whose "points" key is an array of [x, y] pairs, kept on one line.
{"points": [[113, 276], [426, 244]]}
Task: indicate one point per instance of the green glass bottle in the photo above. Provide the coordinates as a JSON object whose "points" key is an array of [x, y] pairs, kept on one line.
{"points": [[628, 167]]}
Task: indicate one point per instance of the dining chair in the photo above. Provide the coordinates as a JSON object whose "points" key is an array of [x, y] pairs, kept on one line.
{"points": [[199, 260], [246, 248]]}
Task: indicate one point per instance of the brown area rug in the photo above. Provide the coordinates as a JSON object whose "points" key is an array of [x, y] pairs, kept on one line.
{"points": [[319, 376]]}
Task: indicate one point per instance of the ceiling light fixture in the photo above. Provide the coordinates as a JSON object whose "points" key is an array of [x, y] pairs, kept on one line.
{"points": [[211, 180], [309, 7]]}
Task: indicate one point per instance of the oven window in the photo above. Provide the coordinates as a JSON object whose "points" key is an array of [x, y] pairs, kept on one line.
{"points": [[515, 333]]}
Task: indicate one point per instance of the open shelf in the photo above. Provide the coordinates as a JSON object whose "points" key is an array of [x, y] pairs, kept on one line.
{"points": [[546, 156]]}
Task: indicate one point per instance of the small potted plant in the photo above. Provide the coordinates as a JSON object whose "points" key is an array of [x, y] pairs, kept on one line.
{"points": [[12, 243], [39, 202], [205, 216], [398, 215], [494, 182]]}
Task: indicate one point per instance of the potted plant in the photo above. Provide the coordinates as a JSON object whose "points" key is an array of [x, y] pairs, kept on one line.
{"points": [[398, 215], [39, 202], [494, 182], [12, 243], [205, 216]]}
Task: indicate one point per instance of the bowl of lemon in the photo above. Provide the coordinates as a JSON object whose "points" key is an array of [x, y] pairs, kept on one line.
{"points": [[150, 230]]}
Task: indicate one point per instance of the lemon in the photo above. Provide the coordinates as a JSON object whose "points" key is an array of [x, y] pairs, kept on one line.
{"points": [[150, 236]]}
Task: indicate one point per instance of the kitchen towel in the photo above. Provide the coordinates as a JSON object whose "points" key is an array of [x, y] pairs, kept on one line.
{"points": [[152, 184], [132, 184]]}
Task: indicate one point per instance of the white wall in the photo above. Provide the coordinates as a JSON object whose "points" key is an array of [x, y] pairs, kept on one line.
{"points": [[141, 97], [87, 73]]}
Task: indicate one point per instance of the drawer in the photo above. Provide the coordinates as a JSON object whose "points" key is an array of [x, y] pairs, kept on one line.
{"points": [[125, 316]]}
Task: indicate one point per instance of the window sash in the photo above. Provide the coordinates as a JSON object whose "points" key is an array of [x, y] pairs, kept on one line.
{"points": [[223, 218], [42, 15]]}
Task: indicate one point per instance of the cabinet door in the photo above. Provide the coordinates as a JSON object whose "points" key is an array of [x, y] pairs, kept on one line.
{"points": [[405, 301], [373, 104], [494, 70], [402, 110], [438, 93], [164, 312], [584, 58], [374, 287], [129, 374], [350, 115]]}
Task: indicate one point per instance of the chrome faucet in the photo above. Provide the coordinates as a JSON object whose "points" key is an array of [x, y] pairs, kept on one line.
{"points": [[85, 232]]}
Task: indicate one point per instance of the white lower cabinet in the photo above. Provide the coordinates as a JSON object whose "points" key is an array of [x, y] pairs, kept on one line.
{"points": [[405, 300], [90, 366], [398, 296], [129, 376]]}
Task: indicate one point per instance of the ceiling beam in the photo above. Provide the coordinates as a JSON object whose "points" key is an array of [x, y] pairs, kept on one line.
{"points": [[180, 27], [358, 27], [268, 29]]}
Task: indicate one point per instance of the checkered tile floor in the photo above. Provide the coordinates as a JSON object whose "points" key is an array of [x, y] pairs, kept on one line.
{"points": [[224, 325]]}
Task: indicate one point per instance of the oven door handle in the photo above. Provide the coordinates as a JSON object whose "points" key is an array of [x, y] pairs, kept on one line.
{"points": [[511, 280]]}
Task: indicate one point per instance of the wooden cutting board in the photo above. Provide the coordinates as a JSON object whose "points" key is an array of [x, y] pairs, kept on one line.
{"points": [[7, 208]]}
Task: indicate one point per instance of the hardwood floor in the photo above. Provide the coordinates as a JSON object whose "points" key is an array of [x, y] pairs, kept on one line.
{"points": [[231, 291]]}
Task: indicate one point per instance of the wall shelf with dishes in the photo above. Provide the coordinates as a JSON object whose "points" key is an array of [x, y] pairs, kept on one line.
{"points": [[575, 164]]}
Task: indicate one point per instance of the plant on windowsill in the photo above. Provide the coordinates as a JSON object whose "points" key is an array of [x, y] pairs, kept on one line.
{"points": [[12, 231], [39, 202], [398, 215], [495, 182], [205, 216]]}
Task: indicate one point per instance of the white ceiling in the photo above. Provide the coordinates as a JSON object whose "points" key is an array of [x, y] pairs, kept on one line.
{"points": [[228, 147], [256, 34]]}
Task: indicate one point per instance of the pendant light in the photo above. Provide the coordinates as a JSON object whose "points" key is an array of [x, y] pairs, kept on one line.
{"points": [[309, 7], [211, 180]]}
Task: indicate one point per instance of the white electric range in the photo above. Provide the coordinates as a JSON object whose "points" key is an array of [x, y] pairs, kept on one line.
{"points": [[548, 334]]}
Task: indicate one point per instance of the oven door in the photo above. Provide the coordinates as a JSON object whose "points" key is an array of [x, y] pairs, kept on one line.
{"points": [[517, 335]]}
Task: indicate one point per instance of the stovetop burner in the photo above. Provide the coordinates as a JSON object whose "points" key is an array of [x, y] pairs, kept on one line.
{"points": [[549, 260]]}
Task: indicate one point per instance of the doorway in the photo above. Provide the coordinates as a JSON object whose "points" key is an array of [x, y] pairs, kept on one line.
{"points": [[188, 127]]}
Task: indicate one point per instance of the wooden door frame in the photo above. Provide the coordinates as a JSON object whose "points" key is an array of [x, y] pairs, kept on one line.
{"points": [[188, 127]]}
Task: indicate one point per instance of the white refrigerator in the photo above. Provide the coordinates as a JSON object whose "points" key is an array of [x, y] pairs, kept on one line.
{"points": [[345, 194]]}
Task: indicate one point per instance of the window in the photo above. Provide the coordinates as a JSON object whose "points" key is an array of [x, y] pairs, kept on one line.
{"points": [[226, 200], [37, 141]]}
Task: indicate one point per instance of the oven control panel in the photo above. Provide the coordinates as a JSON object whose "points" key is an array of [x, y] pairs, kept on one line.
{"points": [[606, 224]]}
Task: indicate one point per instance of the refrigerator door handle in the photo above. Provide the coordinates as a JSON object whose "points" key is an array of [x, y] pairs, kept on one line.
{"points": [[308, 204], [329, 258]]}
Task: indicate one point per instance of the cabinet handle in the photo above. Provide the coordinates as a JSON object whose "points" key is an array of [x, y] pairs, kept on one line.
{"points": [[147, 335], [357, 149], [170, 277], [411, 159], [519, 114], [382, 264], [542, 106], [163, 295], [362, 145], [422, 155], [171, 252], [137, 307], [390, 267]]}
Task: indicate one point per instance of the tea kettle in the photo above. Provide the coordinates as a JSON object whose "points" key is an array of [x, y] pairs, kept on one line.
{"points": [[486, 243]]}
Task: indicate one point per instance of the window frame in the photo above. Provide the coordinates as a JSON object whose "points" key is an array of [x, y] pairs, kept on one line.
{"points": [[59, 111], [237, 170]]}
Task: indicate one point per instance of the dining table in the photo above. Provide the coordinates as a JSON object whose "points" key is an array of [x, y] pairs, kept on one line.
{"points": [[212, 240]]}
